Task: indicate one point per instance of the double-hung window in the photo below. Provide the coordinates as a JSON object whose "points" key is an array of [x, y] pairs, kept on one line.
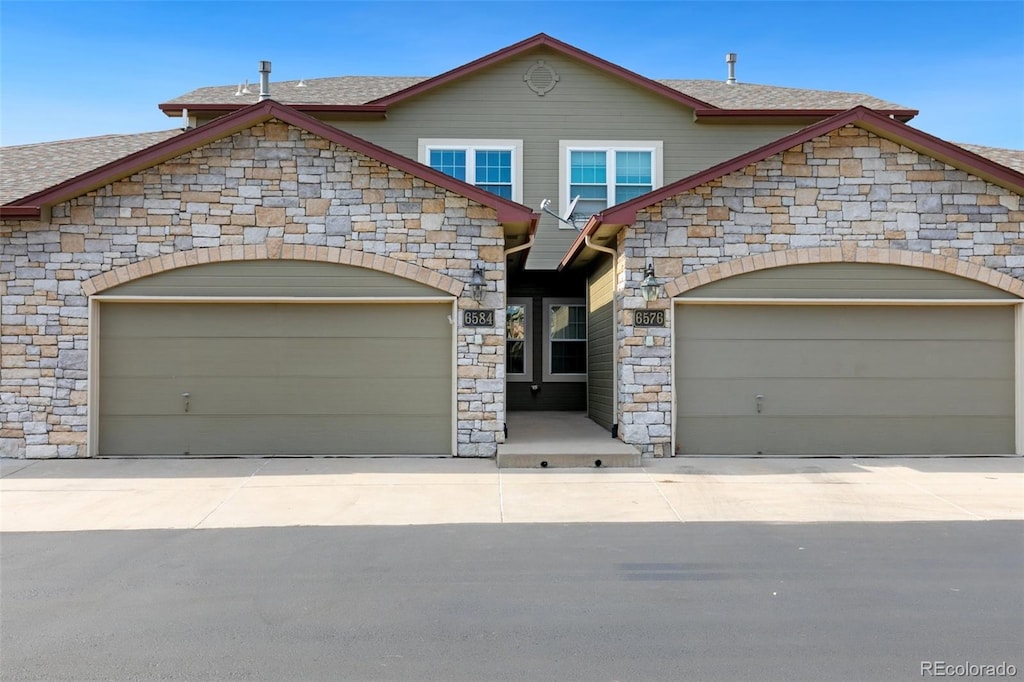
{"points": [[492, 165], [565, 332], [606, 173]]}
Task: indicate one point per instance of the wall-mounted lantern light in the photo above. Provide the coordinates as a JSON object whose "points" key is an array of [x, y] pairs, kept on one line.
{"points": [[477, 285], [649, 288]]}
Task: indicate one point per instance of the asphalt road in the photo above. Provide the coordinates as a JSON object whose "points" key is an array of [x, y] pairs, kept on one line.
{"points": [[716, 601]]}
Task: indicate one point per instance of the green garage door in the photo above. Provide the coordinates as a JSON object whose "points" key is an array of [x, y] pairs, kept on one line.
{"points": [[813, 379], [275, 378]]}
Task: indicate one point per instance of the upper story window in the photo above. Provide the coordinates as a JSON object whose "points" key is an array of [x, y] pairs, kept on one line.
{"points": [[493, 165], [606, 173]]}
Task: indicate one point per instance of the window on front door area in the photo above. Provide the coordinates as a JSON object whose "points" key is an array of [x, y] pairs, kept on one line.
{"points": [[565, 332], [493, 165], [604, 174], [518, 339]]}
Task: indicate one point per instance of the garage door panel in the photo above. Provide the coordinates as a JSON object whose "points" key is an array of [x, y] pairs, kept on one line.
{"points": [[788, 323], [818, 435], [272, 378], [844, 379], [262, 396], [847, 396], [291, 320], [848, 281], [323, 435], [883, 358], [225, 357]]}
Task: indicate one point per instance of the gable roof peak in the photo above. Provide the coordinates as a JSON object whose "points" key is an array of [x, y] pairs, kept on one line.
{"points": [[710, 100], [32, 206], [874, 122], [542, 40]]}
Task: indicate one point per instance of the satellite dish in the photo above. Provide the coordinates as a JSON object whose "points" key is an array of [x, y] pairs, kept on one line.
{"points": [[567, 216]]}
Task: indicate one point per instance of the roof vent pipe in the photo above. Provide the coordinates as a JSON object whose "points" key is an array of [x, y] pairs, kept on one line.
{"points": [[730, 59], [264, 81]]}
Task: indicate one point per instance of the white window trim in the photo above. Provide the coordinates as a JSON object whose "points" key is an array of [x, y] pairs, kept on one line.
{"points": [[548, 302], [656, 147], [527, 374], [427, 144]]}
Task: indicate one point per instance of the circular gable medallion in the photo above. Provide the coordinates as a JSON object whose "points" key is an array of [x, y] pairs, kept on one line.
{"points": [[540, 78]]}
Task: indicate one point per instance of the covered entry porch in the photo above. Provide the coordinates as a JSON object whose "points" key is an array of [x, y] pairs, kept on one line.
{"points": [[561, 439]]}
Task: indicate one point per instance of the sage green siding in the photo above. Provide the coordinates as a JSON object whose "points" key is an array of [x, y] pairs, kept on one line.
{"points": [[600, 345], [275, 378], [274, 278], [848, 280], [585, 104]]}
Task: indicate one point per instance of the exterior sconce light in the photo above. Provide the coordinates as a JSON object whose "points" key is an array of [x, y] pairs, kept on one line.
{"points": [[477, 284], [649, 288]]}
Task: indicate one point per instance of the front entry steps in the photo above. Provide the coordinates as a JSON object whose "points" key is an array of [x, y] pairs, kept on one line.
{"points": [[557, 440]]}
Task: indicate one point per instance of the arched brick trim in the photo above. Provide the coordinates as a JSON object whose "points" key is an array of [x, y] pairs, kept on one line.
{"points": [[271, 251], [847, 253]]}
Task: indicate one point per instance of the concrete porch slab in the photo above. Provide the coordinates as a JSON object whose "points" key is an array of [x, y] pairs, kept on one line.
{"points": [[560, 440]]}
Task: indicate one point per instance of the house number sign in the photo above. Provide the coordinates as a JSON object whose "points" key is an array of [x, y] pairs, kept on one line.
{"points": [[478, 318], [648, 318]]}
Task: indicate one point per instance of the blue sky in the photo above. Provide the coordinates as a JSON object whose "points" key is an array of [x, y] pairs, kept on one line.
{"points": [[76, 69]]}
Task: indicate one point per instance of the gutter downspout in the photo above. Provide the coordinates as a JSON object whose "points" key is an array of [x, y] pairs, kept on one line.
{"points": [[615, 327], [522, 247], [508, 252]]}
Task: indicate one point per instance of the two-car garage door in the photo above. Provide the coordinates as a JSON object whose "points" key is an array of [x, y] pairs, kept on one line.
{"points": [[848, 377], [262, 377]]}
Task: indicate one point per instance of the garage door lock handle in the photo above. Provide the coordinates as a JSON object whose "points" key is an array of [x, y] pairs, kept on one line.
{"points": [[186, 396], [758, 401]]}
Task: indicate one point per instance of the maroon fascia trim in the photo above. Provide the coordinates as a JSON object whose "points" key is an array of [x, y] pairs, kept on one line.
{"points": [[625, 213], [177, 109], [901, 114], [542, 40], [8, 211], [701, 108], [30, 206], [380, 105]]}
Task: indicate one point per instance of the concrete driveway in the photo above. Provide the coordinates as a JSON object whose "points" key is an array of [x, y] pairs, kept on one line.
{"points": [[110, 494]]}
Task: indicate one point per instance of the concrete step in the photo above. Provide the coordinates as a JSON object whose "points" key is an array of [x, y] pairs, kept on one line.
{"points": [[561, 440], [566, 460]]}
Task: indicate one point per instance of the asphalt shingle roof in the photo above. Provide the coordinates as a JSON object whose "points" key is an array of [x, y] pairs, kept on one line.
{"points": [[751, 96], [29, 168], [355, 90], [337, 90], [1011, 158]]}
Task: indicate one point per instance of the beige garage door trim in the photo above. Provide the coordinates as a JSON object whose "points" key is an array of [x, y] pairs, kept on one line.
{"points": [[97, 302], [1017, 304]]}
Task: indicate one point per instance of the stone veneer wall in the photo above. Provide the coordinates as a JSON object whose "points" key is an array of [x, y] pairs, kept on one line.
{"points": [[849, 195], [269, 191]]}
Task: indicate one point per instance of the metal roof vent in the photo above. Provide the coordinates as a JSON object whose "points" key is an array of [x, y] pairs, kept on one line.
{"points": [[264, 81], [730, 59]]}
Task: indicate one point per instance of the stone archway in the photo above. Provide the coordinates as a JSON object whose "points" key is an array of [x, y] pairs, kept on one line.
{"points": [[221, 254], [847, 253]]}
